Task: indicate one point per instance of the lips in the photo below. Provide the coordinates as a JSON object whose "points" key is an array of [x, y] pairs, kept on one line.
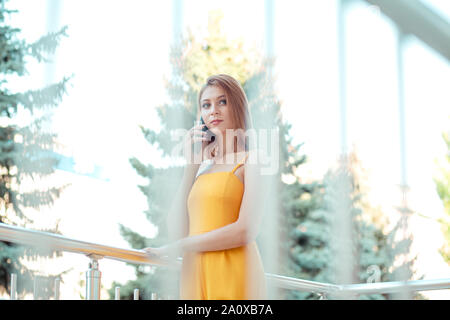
{"points": [[216, 122]]}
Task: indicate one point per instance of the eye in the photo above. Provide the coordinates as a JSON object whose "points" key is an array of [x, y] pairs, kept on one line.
{"points": [[206, 105]]}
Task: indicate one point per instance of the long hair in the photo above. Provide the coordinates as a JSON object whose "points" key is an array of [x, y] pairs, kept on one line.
{"points": [[236, 99]]}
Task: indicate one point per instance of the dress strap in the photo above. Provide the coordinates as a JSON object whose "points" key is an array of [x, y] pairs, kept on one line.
{"points": [[240, 163]]}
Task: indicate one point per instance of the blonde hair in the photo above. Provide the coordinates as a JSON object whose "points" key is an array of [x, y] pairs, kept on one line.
{"points": [[236, 98]]}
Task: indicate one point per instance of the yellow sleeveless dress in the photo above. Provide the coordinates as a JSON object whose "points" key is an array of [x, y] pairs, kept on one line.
{"points": [[232, 274]]}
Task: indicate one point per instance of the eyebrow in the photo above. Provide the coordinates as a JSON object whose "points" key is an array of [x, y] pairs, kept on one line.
{"points": [[216, 98]]}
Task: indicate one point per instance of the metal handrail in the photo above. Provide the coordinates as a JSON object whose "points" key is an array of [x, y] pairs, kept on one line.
{"points": [[93, 250], [396, 286], [61, 243]]}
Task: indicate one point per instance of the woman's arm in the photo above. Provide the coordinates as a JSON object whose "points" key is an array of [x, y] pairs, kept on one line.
{"points": [[227, 237], [236, 234]]}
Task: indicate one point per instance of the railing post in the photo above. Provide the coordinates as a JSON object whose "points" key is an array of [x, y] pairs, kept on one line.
{"points": [[35, 289], [93, 279], [117, 293], [13, 286], [57, 284], [136, 294], [322, 296]]}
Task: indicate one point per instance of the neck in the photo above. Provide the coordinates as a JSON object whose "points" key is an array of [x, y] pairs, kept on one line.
{"points": [[222, 149]]}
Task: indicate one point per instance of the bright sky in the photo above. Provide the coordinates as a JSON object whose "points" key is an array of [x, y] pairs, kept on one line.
{"points": [[118, 53], [441, 7]]}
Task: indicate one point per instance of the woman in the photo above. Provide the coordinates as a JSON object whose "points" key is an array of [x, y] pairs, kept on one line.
{"points": [[216, 234]]}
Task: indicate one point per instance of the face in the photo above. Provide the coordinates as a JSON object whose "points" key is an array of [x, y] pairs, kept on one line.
{"points": [[214, 106]]}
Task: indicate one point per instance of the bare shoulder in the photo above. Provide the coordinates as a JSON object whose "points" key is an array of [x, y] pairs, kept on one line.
{"points": [[242, 158], [255, 179]]}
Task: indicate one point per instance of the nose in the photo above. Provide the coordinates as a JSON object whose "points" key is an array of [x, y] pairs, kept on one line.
{"points": [[214, 109]]}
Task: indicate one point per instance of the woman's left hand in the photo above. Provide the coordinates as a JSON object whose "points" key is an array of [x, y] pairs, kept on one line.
{"points": [[154, 252], [166, 251]]}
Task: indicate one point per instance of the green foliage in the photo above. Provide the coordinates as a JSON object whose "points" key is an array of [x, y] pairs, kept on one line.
{"points": [[313, 245], [25, 150]]}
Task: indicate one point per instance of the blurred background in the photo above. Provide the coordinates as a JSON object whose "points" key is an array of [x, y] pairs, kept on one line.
{"points": [[369, 79]]}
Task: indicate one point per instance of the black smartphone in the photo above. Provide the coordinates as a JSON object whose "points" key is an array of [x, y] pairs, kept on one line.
{"points": [[209, 135]]}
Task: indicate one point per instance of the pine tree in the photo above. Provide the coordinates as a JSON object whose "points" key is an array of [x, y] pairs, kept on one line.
{"points": [[315, 242], [26, 150]]}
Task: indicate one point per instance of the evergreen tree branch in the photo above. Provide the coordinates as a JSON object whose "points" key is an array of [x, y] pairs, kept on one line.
{"points": [[46, 45]]}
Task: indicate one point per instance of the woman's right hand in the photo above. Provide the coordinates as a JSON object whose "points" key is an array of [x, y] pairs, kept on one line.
{"points": [[195, 141]]}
